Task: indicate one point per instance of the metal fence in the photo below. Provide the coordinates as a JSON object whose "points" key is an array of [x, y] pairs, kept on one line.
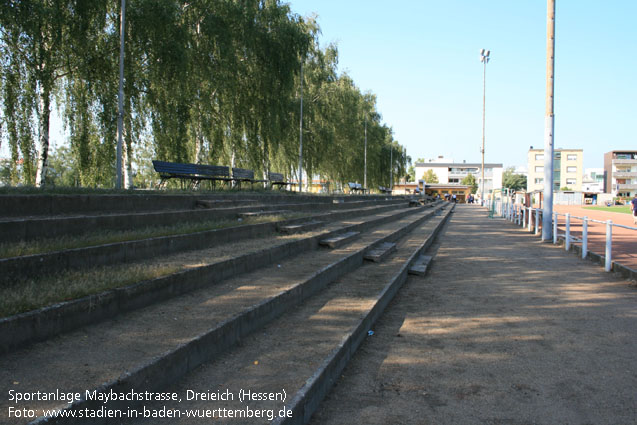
{"points": [[572, 229]]}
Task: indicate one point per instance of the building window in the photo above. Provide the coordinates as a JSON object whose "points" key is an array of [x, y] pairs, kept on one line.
{"points": [[571, 169], [570, 182], [539, 156], [539, 181], [571, 157], [539, 169], [454, 180]]}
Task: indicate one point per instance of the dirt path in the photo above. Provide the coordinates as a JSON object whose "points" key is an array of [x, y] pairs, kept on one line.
{"points": [[504, 330]]}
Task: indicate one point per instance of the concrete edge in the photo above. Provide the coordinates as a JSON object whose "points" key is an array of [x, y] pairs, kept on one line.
{"points": [[170, 366], [307, 400], [33, 228], [124, 252], [38, 325]]}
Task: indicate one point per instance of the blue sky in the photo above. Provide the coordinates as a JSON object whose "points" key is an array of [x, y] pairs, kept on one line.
{"points": [[421, 59]]}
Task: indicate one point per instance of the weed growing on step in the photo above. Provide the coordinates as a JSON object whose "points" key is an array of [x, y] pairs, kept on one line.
{"points": [[16, 249]]}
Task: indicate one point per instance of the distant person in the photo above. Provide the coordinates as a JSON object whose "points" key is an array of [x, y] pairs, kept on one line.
{"points": [[633, 208], [455, 200]]}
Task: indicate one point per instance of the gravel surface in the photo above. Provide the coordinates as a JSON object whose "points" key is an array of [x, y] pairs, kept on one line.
{"points": [[503, 330]]}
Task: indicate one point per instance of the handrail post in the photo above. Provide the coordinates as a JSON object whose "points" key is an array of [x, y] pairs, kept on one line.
{"points": [[555, 216], [609, 245], [585, 237], [530, 217], [537, 221], [567, 236], [523, 216]]}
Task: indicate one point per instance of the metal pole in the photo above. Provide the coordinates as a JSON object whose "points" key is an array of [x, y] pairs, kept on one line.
{"points": [[585, 237], [537, 221], [567, 236], [365, 176], [391, 166], [484, 111], [530, 217], [609, 245], [555, 228], [301, 136], [523, 216], [549, 124], [120, 100]]}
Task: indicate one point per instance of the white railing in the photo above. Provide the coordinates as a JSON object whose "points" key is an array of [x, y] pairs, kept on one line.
{"points": [[531, 219]]}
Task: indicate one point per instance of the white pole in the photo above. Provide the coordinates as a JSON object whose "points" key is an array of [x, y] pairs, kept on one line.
{"points": [[301, 136], [585, 237], [120, 100], [365, 176], [567, 236], [530, 217], [549, 123], [609, 245], [537, 221]]}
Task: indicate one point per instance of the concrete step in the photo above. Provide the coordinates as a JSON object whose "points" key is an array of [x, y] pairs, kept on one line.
{"points": [[37, 325], [154, 347], [340, 240], [253, 214], [419, 268], [300, 227], [379, 253], [220, 203]]}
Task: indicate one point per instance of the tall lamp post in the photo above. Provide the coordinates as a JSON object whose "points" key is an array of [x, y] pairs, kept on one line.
{"points": [[549, 124], [484, 58]]}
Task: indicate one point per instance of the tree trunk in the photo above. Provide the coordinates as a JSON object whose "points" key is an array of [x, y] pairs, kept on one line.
{"points": [[44, 123]]}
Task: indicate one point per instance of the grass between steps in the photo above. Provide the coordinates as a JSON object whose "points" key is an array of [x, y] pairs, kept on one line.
{"points": [[29, 294], [42, 246]]}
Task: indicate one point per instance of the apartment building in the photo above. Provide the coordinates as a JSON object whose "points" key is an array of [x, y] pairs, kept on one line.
{"points": [[568, 169], [455, 172], [620, 171]]}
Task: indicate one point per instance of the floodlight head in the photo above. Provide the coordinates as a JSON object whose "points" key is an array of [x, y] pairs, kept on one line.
{"points": [[481, 52], [487, 53]]}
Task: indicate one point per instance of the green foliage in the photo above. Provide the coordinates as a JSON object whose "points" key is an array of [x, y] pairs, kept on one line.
{"points": [[430, 176], [470, 180], [212, 81], [510, 180]]}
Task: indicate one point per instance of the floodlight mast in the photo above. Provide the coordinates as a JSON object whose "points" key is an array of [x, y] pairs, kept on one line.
{"points": [[549, 125], [484, 58]]}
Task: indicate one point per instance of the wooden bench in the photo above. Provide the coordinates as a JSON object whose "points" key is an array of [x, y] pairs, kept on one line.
{"points": [[277, 179], [241, 175], [194, 173], [356, 187], [384, 189]]}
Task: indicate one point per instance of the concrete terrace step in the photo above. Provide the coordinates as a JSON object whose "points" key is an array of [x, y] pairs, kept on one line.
{"points": [[150, 348], [300, 227], [379, 253], [216, 203], [129, 251], [302, 353], [340, 240], [14, 229], [420, 266], [253, 214], [37, 325]]}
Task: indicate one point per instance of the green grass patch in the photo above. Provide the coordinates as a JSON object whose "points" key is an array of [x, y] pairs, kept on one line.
{"points": [[42, 246], [30, 294], [615, 208]]}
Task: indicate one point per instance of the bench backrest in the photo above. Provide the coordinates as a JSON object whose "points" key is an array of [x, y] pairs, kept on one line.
{"points": [[213, 170], [240, 173], [275, 177], [164, 167]]}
